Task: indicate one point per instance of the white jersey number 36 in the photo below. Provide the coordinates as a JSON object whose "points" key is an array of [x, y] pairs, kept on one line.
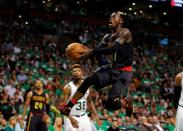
{"points": [[81, 105]]}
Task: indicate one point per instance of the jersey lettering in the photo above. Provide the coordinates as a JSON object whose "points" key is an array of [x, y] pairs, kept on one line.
{"points": [[38, 105], [81, 105]]}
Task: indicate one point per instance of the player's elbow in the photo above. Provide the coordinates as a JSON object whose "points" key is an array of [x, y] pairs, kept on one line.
{"points": [[178, 80]]}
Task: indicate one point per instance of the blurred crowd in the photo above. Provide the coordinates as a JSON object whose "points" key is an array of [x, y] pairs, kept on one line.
{"points": [[28, 53]]}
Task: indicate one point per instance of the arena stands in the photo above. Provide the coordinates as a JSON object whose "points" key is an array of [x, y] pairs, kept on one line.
{"points": [[32, 49]]}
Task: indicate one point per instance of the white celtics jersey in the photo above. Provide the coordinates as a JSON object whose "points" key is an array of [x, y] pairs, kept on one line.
{"points": [[81, 106], [181, 96]]}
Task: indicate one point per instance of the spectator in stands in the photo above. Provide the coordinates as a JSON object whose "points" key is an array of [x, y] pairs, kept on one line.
{"points": [[32, 55], [5, 105], [22, 77], [3, 124], [20, 125], [12, 123], [115, 126], [58, 124], [49, 125], [10, 88], [100, 125], [156, 123]]}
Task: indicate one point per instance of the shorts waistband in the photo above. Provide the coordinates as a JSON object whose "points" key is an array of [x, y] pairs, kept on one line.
{"points": [[180, 105], [79, 115], [37, 114]]}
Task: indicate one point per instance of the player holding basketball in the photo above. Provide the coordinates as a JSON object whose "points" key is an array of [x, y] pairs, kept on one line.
{"points": [[78, 112], [118, 44]]}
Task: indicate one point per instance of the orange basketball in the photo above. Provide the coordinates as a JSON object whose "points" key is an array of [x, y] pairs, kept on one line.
{"points": [[75, 50]]}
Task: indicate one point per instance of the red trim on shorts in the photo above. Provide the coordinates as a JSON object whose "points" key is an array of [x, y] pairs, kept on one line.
{"points": [[127, 68]]}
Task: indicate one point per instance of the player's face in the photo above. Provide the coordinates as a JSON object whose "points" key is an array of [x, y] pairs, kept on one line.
{"points": [[77, 73], [39, 84], [115, 20]]}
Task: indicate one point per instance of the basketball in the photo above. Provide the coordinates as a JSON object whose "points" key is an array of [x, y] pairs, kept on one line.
{"points": [[75, 50]]}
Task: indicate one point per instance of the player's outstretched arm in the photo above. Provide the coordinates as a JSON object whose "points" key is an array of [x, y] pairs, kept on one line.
{"points": [[60, 103], [64, 100]]}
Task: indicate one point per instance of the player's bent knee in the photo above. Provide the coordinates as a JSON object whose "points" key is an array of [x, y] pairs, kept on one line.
{"points": [[113, 103]]}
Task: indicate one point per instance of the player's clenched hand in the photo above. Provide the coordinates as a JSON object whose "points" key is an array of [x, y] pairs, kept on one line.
{"points": [[73, 121]]}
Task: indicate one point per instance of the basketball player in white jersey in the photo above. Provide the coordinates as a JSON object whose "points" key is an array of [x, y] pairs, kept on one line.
{"points": [[178, 101], [78, 112]]}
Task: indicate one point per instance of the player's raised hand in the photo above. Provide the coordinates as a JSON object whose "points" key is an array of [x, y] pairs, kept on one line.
{"points": [[73, 121], [85, 55]]}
